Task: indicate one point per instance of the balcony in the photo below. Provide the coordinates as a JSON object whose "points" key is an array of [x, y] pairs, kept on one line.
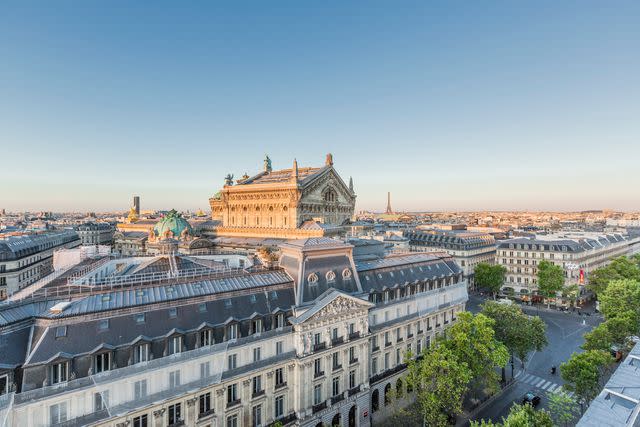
{"points": [[354, 335], [337, 341], [387, 344], [319, 407], [281, 385], [318, 374], [233, 403], [410, 336], [420, 331], [400, 339], [354, 390], [387, 373], [337, 398], [257, 394], [353, 361], [376, 348], [446, 322], [283, 421], [319, 346], [177, 424], [206, 413], [429, 328], [438, 325], [337, 367]]}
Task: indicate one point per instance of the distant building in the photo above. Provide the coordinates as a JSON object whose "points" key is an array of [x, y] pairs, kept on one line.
{"points": [[286, 204], [467, 248], [577, 253], [92, 233], [389, 211], [27, 258], [136, 204]]}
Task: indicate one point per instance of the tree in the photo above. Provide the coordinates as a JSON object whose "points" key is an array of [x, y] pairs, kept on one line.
{"points": [[490, 277], [520, 416], [619, 269], [440, 380], [562, 408], [621, 297], [519, 332], [583, 373], [550, 279], [472, 340]]}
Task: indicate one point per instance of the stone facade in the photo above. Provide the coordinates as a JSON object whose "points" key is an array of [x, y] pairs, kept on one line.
{"points": [[288, 203]]}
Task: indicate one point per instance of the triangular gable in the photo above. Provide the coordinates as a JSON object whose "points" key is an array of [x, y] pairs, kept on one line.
{"points": [[332, 304]]}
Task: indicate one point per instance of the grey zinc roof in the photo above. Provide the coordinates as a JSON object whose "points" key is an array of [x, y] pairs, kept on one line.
{"points": [[149, 295], [17, 246], [618, 404], [13, 345], [394, 261]]}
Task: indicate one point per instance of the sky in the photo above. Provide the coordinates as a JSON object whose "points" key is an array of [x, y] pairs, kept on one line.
{"points": [[448, 105]]}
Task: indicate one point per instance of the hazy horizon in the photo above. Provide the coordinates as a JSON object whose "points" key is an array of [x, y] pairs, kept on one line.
{"points": [[474, 107]]}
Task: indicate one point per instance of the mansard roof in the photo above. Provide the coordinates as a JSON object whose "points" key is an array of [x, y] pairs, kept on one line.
{"points": [[284, 176]]}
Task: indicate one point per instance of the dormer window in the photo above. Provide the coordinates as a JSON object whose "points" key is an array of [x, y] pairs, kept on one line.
{"points": [[279, 320], [312, 279], [346, 274], [141, 353], [61, 331], [102, 362], [331, 276], [173, 313], [256, 326], [206, 337], [232, 331], [174, 345], [59, 372]]}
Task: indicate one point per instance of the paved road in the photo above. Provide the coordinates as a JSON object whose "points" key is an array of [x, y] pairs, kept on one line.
{"points": [[565, 335]]}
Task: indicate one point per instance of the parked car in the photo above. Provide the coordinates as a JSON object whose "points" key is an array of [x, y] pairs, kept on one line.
{"points": [[531, 398]]}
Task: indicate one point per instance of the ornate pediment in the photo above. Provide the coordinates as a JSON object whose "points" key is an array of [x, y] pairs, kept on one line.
{"points": [[339, 306]]}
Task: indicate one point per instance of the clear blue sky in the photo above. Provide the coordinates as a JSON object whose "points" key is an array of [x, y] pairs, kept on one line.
{"points": [[448, 105]]}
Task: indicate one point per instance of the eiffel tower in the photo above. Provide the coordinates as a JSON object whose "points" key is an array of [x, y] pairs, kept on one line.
{"points": [[389, 210]]}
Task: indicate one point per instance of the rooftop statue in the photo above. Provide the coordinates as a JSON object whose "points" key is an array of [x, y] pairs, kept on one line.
{"points": [[267, 163], [228, 180]]}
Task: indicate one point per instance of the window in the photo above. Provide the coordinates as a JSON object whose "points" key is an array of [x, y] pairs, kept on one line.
{"points": [[232, 393], [173, 313], [336, 360], [4, 384], [205, 369], [206, 337], [140, 389], [398, 357], [386, 361], [352, 354], [352, 379], [316, 339], [335, 386], [103, 362], [232, 361], [141, 421], [175, 345], [141, 353], [256, 326], [257, 384], [317, 368], [61, 331], [279, 407], [175, 413], [204, 404], [174, 379], [374, 365], [232, 331], [103, 325], [59, 373], [279, 347], [58, 413], [139, 318], [232, 421], [279, 377], [202, 308], [256, 354], [100, 400], [317, 394], [257, 416], [334, 334], [279, 320]]}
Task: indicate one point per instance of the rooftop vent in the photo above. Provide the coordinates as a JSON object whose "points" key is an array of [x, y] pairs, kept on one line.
{"points": [[59, 307]]}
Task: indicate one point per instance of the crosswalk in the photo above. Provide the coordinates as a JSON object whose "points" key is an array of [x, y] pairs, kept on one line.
{"points": [[541, 383]]}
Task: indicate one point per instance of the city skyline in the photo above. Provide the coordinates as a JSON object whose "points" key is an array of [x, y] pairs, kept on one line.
{"points": [[493, 107]]}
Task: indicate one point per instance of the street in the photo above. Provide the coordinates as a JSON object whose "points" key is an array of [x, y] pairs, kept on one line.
{"points": [[565, 335]]}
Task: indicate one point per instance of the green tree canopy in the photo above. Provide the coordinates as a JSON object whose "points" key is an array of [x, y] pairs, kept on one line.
{"points": [[440, 380], [619, 269], [562, 408], [621, 297], [520, 416], [519, 332], [490, 277], [472, 340], [550, 279], [583, 373]]}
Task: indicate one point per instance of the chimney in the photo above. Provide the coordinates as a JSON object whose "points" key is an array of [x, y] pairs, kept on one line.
{"points": [[294, 171]]}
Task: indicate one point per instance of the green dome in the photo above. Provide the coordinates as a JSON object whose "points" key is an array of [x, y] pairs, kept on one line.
{"points": [[172, 225]]}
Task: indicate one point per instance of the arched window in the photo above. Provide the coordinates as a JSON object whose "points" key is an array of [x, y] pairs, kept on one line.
{"points": [[335, 422], [375, 398], [387, 394], [399, 388]]}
